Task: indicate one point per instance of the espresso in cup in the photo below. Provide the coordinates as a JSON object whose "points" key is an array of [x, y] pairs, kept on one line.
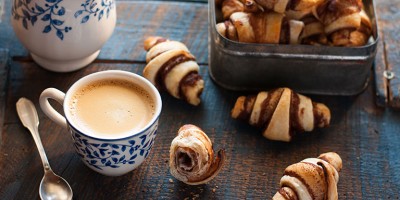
{"points": [[111, 107]]}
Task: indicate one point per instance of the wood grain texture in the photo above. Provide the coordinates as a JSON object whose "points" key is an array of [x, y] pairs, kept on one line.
{"points": [[381, 83], [387, 12], [4, 60], [366, 136]]}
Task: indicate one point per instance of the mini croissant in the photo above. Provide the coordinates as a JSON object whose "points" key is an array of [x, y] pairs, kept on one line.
{"points": [[312, 178], [170, 66], [192, 159], [313, 32], [281, 113], [263, 27], [339, 14], [231, 6], [350, 37], [316, 22]]}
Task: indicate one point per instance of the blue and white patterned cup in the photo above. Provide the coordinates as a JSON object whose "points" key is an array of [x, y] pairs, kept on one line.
{"points": [[109, 155], [63, 35]]}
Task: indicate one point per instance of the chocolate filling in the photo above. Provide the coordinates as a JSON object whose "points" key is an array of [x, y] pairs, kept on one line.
{"points": [[268, 107], [168, 66], [226, 23], [293, 4], [285, 32], [308, 20], [294, 116], [326, 179], [295, 175], [186, 160], [364, 28], [189, 80], [248, 107]]}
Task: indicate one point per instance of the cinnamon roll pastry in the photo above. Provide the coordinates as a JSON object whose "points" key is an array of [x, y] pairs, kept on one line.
{"points": [[264, 27], [313, 32], [228, 30], [339, 14], [312, 178], [281, 113], [192, 159], [359, 37], [170, 66], [231, 6]]}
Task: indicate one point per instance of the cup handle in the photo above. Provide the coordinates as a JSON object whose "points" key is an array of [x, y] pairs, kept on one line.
{"points": [[52, 93]]}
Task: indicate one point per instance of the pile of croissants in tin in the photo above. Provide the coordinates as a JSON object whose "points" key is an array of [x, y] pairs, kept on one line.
{"points": [[315, 22], [280, 113]]}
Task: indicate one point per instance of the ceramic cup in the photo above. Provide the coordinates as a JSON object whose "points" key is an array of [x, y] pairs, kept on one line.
{"points": [[63, 35], [109, 155]]}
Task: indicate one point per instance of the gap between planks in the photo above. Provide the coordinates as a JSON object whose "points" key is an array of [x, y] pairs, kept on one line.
{"points": [[106, 61]]}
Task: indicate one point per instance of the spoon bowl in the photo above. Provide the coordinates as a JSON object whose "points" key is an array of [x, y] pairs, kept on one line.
{"points": [[52, 186]]}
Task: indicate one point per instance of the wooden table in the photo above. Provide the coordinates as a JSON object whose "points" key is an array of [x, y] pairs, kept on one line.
{"points": [[366, 136]]}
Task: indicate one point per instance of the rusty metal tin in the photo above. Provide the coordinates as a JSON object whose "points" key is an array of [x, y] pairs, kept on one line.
{"points": [[308, 69]]}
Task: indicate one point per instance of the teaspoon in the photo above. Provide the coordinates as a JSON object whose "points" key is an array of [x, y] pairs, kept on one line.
{"points": [[52, 186]]}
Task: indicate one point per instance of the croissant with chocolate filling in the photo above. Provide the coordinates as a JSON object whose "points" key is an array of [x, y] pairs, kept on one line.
{"points": [[281, 113], [313, 32], [358, 37], [312, 178], [170, 66], [264, 27], [231, 6], [339, 14], [192, 158]]}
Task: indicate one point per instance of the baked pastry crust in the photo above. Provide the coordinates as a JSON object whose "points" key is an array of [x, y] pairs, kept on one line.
{"points": [[281, 113], [192, 158], [171, 67]]}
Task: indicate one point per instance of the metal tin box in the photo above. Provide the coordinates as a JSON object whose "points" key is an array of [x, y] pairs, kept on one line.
{"points": [[308, 69]]}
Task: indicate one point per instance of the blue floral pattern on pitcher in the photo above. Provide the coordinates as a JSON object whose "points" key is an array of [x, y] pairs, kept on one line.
{"points": [[52, 13], [90, 8], [103, 154]]}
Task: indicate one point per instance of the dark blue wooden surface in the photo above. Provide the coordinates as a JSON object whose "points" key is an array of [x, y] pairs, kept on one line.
{"points": [[366, 136]]}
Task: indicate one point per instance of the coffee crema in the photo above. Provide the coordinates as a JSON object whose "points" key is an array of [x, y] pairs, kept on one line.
{"points": [[111, 107]]}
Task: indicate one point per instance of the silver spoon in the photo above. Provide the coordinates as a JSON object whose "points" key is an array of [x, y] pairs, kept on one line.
{"points": [[52, 186]]}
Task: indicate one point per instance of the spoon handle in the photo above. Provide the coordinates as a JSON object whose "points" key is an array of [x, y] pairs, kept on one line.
{"points": [[29, 118]]}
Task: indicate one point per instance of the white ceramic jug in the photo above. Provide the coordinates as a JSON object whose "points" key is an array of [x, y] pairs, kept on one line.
{"points": [[63, 35]]}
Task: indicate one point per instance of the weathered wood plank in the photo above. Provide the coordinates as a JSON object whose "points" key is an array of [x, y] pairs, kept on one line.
{"points": [[186, 22], [387, 12], [175, 20], [381, 84], [4, 59], [364, 135]]}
